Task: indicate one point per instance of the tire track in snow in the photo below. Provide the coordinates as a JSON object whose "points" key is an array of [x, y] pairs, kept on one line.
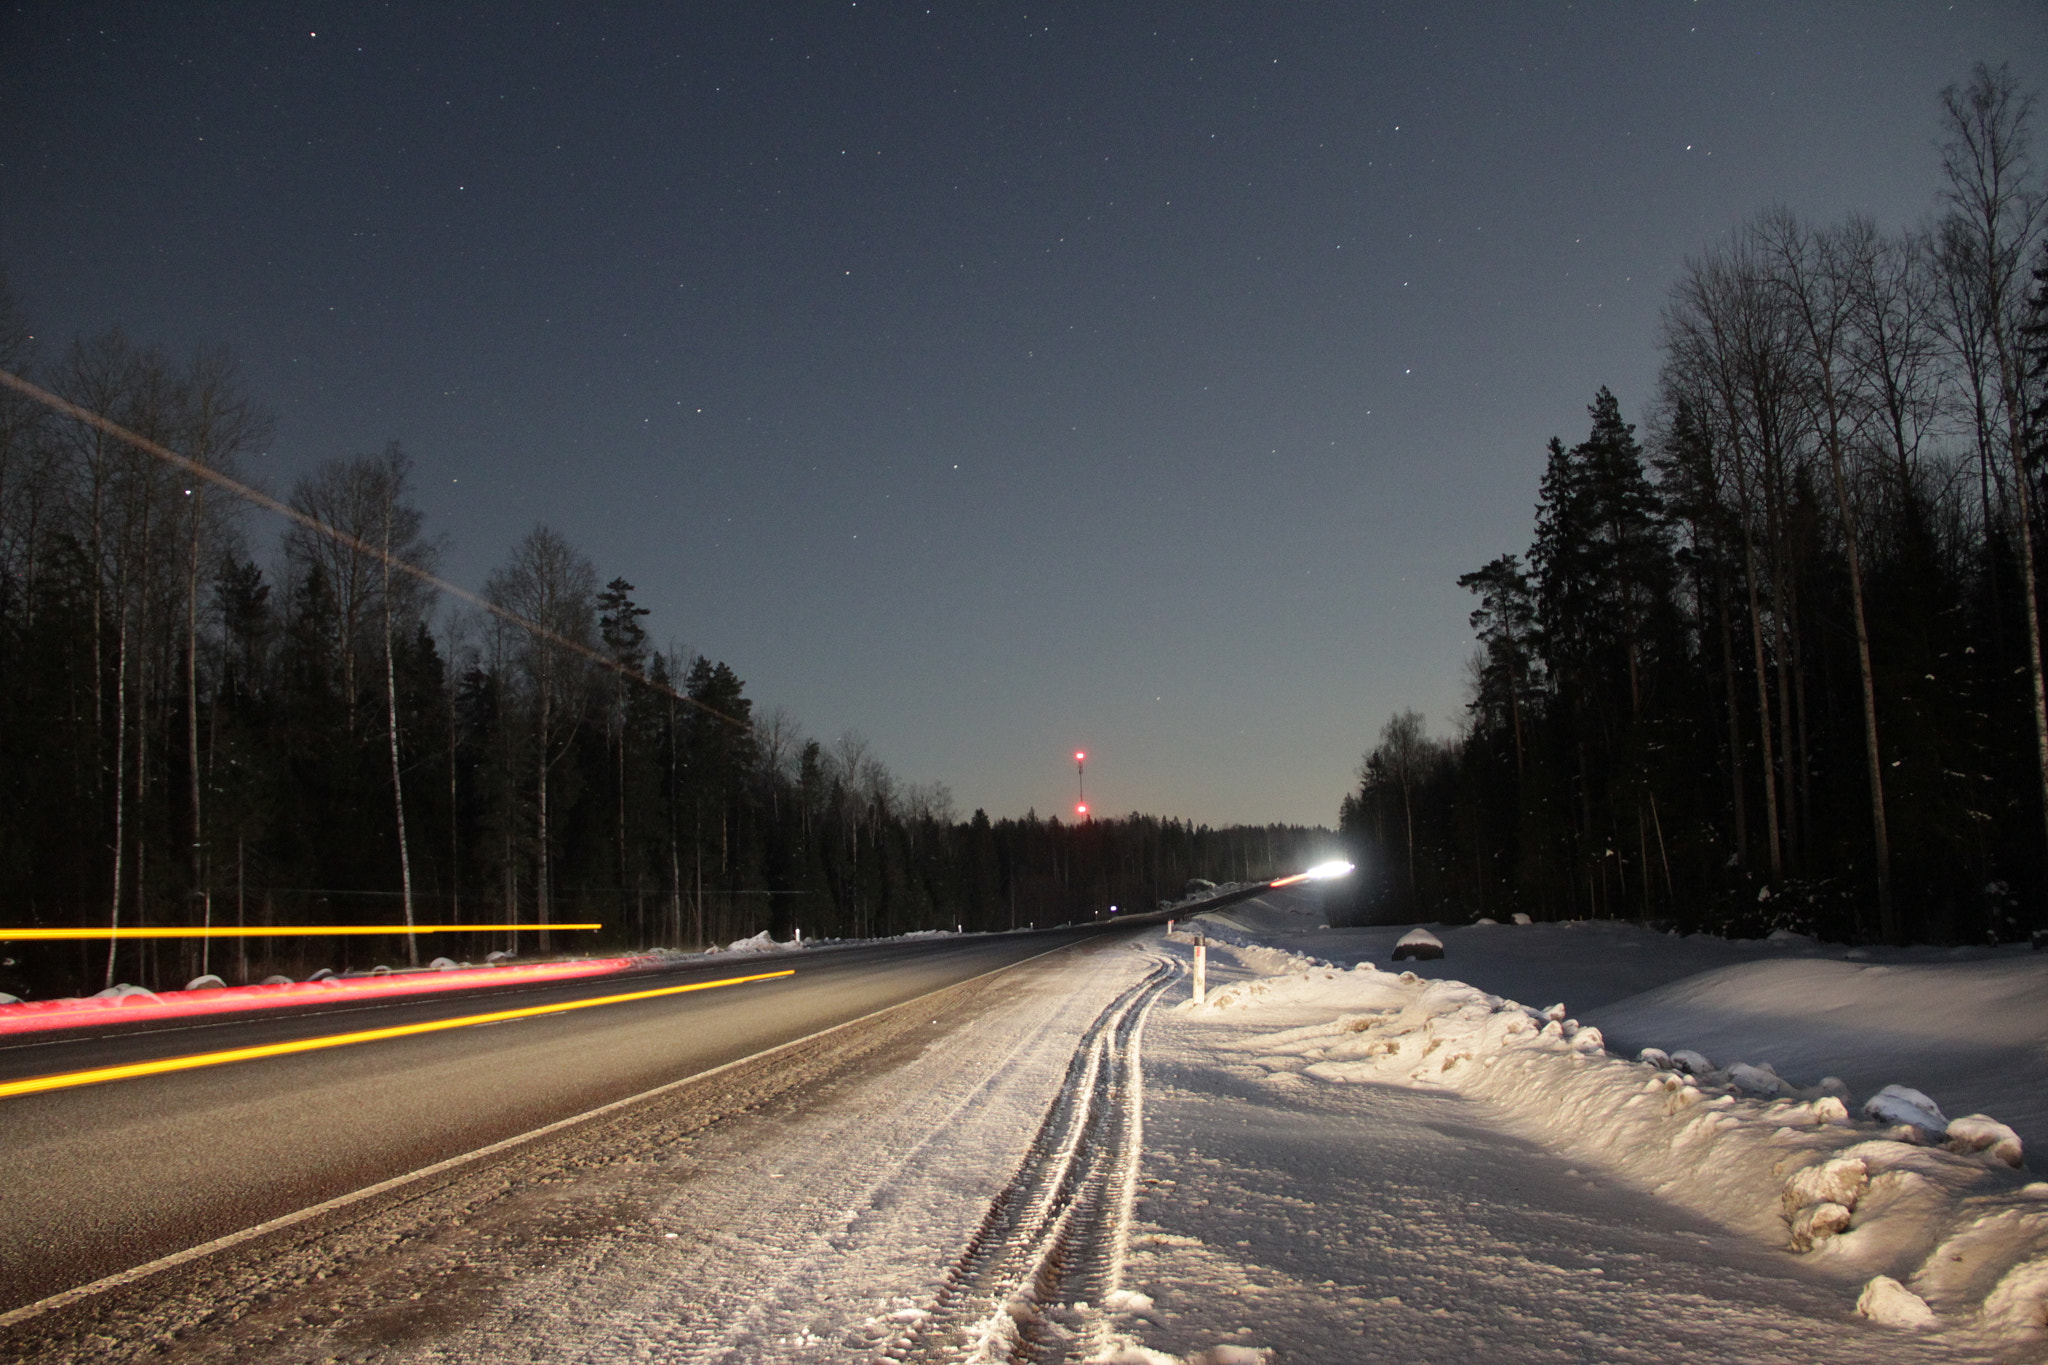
{"points": [[1031, 1285], [784, 1244]]}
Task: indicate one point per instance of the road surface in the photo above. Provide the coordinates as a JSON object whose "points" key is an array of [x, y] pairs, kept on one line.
{"points": [[107, 1177]]}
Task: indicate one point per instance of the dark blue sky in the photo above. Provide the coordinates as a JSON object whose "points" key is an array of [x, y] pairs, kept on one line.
{"points": [[992, 380]]}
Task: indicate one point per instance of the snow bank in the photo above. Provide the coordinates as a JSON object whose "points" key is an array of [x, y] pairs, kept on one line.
{"points": [[1592, 963], [1965, 1025], [280, 992], [763, 942], [1973, 1034], [1915, 1208]]}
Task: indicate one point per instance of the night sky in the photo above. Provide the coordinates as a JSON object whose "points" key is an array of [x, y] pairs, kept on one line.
{"points": [[991, 380]]}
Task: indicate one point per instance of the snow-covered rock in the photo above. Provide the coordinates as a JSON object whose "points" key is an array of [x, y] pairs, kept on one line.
{"points": [[209, 982], [1900, 1104], [1418, 943], [1760, 1080]]}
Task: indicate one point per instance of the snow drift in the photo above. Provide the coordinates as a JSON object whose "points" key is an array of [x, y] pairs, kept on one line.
{"points": [[1928, 1215]]}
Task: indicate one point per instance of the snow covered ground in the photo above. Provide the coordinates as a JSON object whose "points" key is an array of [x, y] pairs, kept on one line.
{"points": [[1360, 1164], [1968, 1026]]}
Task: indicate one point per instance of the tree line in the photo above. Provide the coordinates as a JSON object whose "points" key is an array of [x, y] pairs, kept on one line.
{"points": [[1778, 664], [200, 726]]}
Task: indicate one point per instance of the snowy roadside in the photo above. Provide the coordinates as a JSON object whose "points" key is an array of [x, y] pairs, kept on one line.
{"points": [[209, 995], [1966, 1025], [1365, 1164]]}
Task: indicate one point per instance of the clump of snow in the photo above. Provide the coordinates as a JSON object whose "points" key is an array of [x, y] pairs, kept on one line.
{"points": [[1982, 1133], [443, 964], [208, 982], [1884, 1300], [1820, 1200], [1227, 1354], [1839, 1181], [1418, 943], [1816, 1223]]}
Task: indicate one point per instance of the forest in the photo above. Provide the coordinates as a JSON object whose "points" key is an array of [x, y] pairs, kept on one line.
{"points": [[1777, 664], [207, 724]]}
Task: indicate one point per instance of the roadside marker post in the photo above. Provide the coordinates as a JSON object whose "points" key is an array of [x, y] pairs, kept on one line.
{"points": [[1201, 968]]}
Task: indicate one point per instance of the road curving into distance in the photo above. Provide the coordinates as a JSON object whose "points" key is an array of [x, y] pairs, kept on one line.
{"points": [[104, 1177]]}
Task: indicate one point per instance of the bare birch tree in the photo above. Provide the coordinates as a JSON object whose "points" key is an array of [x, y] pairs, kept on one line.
{"points": [[364, 497], [216, 422], [1995, 222], [1816, 275], [550, 583]]}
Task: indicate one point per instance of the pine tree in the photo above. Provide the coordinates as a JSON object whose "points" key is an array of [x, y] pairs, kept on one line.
{"points": [[1505, 622], [625, 640]]}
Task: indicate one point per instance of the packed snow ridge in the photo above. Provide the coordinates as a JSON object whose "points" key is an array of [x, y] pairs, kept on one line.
{"points": [[1936, 1217]]}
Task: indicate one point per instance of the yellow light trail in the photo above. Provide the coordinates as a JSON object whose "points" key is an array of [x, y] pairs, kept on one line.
{"points": [[305, 930], [69, 1079]]}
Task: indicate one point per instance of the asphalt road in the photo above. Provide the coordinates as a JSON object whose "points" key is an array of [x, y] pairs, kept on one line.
{"points": [[102, 1178]]}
